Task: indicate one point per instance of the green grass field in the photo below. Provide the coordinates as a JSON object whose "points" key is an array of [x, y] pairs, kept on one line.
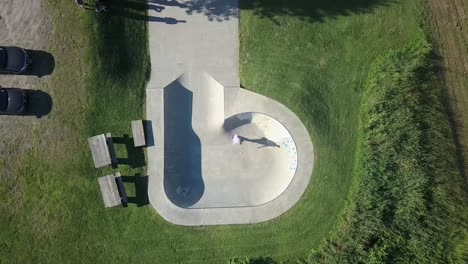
{"points": [[314, 58]]}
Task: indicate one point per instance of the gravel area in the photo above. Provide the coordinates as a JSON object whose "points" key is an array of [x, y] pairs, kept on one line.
{"points": [[23, 23]]}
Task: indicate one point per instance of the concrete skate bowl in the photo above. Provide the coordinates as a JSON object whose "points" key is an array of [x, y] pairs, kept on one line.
{"points": [[198, 176], [202, 166], [266, 158]]}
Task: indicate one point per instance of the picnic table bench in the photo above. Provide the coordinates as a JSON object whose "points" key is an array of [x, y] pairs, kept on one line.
{"points": [[113, 190], [102, 150]]}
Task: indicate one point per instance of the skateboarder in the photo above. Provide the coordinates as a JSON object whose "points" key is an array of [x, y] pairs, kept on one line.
{"points": [[236, 139]]}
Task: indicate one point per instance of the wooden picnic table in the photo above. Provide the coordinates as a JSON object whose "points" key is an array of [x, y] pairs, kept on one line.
{"points": [[109, 191], [113, 190], [100, 150]]}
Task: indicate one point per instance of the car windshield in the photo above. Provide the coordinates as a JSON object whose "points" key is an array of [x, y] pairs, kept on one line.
{"points": [[3, 100], [3, 58]]}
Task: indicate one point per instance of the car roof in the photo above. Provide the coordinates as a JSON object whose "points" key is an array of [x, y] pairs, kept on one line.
{"points": [[15, 60], [3, 57], [3, 99]]}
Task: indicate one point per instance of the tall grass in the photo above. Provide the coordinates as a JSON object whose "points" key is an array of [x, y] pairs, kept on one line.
{"points": [[406, 201]]}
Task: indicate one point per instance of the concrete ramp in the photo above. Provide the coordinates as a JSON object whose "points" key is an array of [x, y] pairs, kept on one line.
{"points": [[208, 101]]}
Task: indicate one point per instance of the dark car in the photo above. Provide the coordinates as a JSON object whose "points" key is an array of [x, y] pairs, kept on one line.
{"points": [[14, 60], [12, 101]]}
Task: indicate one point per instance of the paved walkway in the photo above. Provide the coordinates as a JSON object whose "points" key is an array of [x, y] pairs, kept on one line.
{"points": [[201, 35], [194, 88]]}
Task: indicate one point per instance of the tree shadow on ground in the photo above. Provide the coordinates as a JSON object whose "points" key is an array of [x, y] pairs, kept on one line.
{"points": [[310, 10], [115, 34], [214, 10], [220, 10]]}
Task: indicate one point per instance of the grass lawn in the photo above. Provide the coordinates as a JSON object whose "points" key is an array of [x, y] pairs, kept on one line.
{"points": [[314, 61]]}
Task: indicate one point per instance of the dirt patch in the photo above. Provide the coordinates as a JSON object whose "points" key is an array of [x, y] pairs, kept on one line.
{"points": [[25, 24], [449, 21]]}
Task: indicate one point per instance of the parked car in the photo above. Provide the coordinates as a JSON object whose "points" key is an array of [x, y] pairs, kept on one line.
{"points": [[12, 101], [14, 60]]}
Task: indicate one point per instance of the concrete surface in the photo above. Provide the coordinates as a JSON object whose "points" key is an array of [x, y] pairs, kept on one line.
{"points": [[203, 36], [202, 167], [195, 105]]}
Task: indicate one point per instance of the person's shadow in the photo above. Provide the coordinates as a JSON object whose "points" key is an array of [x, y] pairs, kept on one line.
{"points": [[134, 10], [264, 142]]}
